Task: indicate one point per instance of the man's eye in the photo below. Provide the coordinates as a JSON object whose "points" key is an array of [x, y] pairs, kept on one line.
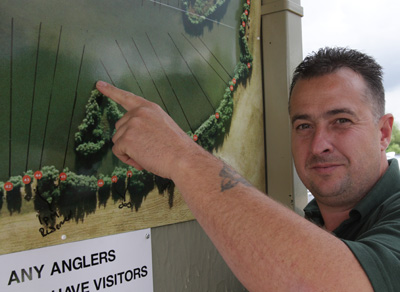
{"points": [[342, 121], [303, 127]]}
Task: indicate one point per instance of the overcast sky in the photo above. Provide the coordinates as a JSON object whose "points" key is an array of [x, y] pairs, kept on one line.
{"points": [[372, 27]]}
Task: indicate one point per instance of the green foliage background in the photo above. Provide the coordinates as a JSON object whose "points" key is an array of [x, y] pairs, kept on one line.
{"points": [[394, 145]]}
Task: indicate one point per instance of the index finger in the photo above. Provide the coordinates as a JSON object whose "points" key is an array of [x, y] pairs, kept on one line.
{"points": [[126, 99]]}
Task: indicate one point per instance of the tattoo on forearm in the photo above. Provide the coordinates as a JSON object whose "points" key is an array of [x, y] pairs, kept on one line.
{"points": [[230, 179]]}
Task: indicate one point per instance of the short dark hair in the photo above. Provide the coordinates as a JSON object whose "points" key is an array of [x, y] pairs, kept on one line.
{"points": [[328, 60]]}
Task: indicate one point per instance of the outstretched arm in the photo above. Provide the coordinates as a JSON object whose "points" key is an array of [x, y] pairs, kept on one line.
{"points": [[267, 246]]}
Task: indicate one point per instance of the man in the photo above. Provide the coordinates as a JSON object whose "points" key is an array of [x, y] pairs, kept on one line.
{"points": [[339, 137]]}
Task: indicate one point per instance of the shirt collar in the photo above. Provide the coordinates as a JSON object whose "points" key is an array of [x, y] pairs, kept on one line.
{"points": [[382, 190]]}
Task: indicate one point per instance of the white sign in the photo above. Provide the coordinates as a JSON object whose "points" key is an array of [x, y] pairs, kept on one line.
{"points": [[120, 263]]}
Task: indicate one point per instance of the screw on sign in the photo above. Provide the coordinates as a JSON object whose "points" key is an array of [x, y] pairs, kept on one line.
{"points": [[63, 176], [246, 12], [26, 179], [8, 186], [243, 24], [100, 183], [248, 65], [114, 179], [234, 80], [195, 137], [217, 116], [248, 2], [129, 173], [231, 87], [38, 174]]}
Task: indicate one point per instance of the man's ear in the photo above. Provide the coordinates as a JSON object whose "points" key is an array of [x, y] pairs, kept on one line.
{"points": [[386, 124]]}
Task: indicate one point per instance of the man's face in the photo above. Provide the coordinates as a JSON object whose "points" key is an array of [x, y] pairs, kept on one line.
{"points": [[335, 138]]}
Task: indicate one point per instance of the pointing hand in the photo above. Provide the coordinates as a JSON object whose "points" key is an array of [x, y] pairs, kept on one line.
{"points": [[146, 137]]}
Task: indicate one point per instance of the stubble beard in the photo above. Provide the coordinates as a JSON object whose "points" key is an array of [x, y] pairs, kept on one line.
{"points": [[332, 190]]}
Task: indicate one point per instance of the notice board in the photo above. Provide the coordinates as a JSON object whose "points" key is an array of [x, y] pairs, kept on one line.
{"points": [[59, 181]]}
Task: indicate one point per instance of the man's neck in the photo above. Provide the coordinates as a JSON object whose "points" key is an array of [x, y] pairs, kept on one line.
{"points": [[333, 218]]}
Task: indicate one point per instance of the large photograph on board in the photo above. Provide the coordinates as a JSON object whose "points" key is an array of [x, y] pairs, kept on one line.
{"points": [[59, 180]]}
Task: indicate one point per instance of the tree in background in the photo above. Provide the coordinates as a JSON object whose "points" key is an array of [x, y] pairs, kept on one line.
{"points": [[46, 196], [13, 197], [77, 196], [105, 190], [97, 128], [139, 185], [90, 137], [394, 145], [28, 186], [165, 185], [118, 187], [198, 10]]}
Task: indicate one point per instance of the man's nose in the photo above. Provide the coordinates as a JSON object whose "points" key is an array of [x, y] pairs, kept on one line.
{"points": [[321, 141]]}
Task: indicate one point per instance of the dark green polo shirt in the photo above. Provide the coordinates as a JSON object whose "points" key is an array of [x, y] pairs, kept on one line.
{"points": [[373, 230]]}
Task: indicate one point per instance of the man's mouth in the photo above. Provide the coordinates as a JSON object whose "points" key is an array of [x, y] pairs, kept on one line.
{"points": [[325, 168]]}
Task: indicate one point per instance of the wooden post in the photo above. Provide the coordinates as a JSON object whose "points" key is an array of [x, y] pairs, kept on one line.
{"points": [[282, 52]]}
